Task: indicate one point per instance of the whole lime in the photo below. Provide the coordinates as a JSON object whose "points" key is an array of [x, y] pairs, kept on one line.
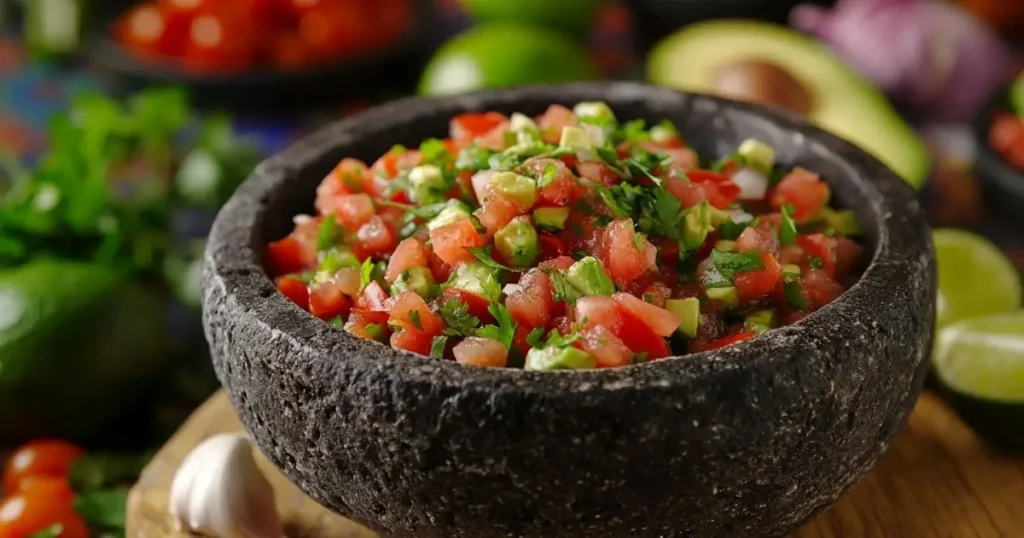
{"points": [[502, 54], [572, 17]]}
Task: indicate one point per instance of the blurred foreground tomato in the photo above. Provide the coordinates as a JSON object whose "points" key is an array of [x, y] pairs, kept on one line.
{"points": [[38, 508], [41, 458]]}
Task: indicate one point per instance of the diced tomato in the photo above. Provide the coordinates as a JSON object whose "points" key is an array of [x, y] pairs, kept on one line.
{"points": [[848, 256], [624, 256], [657, 293], [441, 270], [821, 289], [559, 190], [476, 305], [607, 348], [379, 317], [683, 159], [752, 285], [408, 254], [359, 322], [285, 256], [599, 173], [350, 176], [721, 192], [411, 339], [396, 160], [348, 280], [375, 237], [373, 298], [581, 233], [550, 246], [595, 310], [722, 342], [532, 305], [295, 290], [326, 301], [793, 318], [639, 337], [560, 263], [661, 321], [819, 246], [802, 189], [687, 192], [1005, 131], [465, 127], [353, 210], [478, 351], [553, 120], [497, 211], [758, 239], [409, 310], [451, 241], [150, 30]]}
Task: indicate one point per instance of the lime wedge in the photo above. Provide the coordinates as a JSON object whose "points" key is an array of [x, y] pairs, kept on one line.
{"points": [[975, 278], [983, 357]]}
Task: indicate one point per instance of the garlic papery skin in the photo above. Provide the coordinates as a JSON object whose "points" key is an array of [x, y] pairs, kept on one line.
{"points": [[220, 492]]}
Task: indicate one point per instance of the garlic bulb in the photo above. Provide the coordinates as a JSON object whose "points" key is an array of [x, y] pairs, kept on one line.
{"points": [[219, 492]]}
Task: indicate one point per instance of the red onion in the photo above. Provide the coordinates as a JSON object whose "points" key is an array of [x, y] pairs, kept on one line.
{"points": [[929, 55]]}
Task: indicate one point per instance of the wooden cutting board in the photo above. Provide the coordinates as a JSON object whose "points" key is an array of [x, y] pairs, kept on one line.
{"points": [[937, 481]]}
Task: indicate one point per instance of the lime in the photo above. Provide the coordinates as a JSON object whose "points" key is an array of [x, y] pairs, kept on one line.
{"points": [[501, 54], [983, 357], [975, 278], [572, 17]]}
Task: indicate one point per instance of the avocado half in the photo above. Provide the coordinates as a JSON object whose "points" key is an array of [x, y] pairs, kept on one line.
{"points": [[839, 100]]}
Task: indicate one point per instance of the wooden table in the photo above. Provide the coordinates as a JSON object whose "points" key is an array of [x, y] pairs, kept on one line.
{"points": [[937, 481]]}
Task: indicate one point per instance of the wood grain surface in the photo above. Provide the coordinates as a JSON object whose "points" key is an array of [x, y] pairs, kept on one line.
{"points": [[937, 481]]}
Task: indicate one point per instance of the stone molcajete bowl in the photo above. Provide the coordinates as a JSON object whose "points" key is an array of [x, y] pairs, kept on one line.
{"points": [[746, 441]]}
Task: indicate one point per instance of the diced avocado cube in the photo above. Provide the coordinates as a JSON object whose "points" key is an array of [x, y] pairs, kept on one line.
{"points": [[688, 311], [790, 269], [559, 358], [551, 219], [594, 110], [427, 182], [518, 242], [454, 211], [758, 155], [760, 321], [697, 225], [726, 295], [516, 187], [476, 278], [575, 138], [844, 222], [588, 276], [416, 279], [725, 245]]}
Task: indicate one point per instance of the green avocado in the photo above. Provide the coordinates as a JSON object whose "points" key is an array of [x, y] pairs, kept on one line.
{"points": [[77, 343], [701, 56]]}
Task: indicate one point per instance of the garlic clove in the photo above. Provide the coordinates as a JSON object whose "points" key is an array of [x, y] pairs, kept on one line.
{"points": [[220, 492]]}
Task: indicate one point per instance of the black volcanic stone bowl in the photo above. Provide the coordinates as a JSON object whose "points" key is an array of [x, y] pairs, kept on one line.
{"points": [[747, 441]]}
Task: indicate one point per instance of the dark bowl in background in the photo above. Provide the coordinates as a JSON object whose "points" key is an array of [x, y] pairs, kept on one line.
{"points": [[1002, 184], [747, 441], [654, 19]]}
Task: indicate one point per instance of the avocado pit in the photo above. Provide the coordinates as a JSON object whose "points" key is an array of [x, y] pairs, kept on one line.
{"points": [[763, 83]]}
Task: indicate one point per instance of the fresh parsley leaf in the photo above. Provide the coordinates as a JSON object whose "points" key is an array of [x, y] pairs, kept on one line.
{"points": [[794, 295], [505, 330], [438, 346], [564, 291], [365, 274], [456, 316], [484, 255], [328, 234], [414, 317], [729, 264], [787, 234], [535, 338], [103, 508], [547, 176]]}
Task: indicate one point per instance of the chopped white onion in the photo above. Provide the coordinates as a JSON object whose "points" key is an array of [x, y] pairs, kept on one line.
{"points": [[301, 219], [510, 289], [740, 217], [480, 180], [597, 134], [753, 184]]}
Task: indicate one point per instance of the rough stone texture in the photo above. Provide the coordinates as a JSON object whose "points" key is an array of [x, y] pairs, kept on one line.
{"points": [[747, 441]]}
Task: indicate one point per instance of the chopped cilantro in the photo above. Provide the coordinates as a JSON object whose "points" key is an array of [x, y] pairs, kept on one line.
{"points": [[622, 199], [775, 177], [576, 229], [328, 234], [484, 255], [505, 330], [414, 317], [556, 339], [475, 221], [438, 346], [564, 291], [365, 274], [433, 151], [787, 235], [794, 295], [730, 230], [535, 338], [425, 212], [729, 264], [635, 132], [473, 158], [602, 221], [456, 316], [548, 175], [663, 213]]}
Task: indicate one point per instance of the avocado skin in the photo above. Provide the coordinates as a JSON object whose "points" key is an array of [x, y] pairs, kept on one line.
{"points": [[747, 445]]}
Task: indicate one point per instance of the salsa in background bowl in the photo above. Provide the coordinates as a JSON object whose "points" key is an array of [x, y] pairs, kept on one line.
{"points": [[747, 440], [999, 135]]}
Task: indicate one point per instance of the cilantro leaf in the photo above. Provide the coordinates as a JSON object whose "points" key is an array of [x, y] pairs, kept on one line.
{"points": [[622, 199], [433, 151], [414, 317], [365, 274], [328, 234], [556, 339], [794, 295], [473, 158], [728, 264], [564, 291], [635, 132], [731, 229], [103, 508], [505, 330], [438, 346], [456, 316], [484, 255], [787, 234], [374, 330], [534, 339]]}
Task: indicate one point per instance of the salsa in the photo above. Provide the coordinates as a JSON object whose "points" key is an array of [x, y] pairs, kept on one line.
{"points": [[1006, 133], [565, 241]]}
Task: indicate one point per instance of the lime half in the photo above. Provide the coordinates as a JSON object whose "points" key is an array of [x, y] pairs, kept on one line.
{"points": [[983, 357], [975, 278]]}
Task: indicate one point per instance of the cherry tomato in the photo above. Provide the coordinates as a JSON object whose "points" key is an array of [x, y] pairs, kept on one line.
{"points": [[290, 51], [335, 29], [34, 510], [54, 488], [148, 29], [220, 40], [43, 457]]}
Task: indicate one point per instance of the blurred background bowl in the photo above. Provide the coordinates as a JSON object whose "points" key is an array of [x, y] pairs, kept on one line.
{"points": [[1002, 184]]}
